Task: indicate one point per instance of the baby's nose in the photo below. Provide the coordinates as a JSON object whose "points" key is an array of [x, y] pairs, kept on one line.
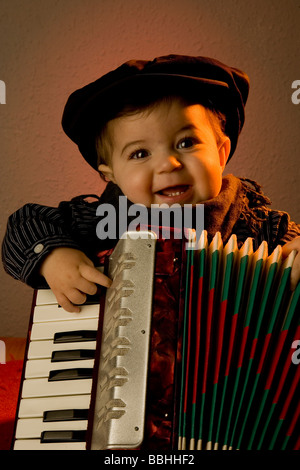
{"points": [[169, 163]]}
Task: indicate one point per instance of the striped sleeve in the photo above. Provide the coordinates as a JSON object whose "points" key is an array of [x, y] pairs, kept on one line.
{"points": [[32, 232], [283, 229], [292, 232], [263, 224]]}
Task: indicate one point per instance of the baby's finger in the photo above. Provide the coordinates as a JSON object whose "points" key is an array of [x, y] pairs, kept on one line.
{"points": [[76, 296], [87, 287], [92, 274], [295, 273], [66, 304], [290, 246]]}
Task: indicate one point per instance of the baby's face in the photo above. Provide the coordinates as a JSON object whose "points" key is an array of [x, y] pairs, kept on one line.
{"points": [[168, 155]]}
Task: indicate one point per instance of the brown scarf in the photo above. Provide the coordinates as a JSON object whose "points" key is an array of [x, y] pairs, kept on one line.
{"points": [[235, 200]]}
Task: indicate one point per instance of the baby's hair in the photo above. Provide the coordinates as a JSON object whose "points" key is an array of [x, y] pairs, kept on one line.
{"points": [[104, 143]]}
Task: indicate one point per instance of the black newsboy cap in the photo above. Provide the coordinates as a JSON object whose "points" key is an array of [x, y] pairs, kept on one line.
{"points": [[87, 109]]}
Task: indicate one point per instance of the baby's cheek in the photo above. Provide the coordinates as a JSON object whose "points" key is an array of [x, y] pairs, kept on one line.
{"points": [[210, 184], [136, 189]]}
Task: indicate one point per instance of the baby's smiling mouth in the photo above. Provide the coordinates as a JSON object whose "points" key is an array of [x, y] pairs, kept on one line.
{"points": [[174, 190]]}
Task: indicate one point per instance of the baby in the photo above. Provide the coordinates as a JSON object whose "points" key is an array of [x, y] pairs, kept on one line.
{"points": [[160, 132]]}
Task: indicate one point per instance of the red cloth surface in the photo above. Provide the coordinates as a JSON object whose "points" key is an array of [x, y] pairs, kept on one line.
{"points": [[10, 378]]}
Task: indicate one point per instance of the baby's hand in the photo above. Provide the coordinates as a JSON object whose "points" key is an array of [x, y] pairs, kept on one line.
{"points": [[286, 250], [71, 275]]}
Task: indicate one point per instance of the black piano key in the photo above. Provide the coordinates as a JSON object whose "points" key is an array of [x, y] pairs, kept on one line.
{"points": [[63, 436], [72, 355], [70, 374], [65, 415], [75, 336]]}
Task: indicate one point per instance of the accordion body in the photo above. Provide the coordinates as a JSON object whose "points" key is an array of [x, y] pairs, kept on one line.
{"points": [[196, 349]]}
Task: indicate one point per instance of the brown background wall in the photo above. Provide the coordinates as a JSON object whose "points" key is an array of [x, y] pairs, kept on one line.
{"points": [[51, 47]]}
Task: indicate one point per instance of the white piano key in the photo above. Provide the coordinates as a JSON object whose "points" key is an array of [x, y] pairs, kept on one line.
{"points": [[31, 428], [45, 297], [36, 444], [49, 313], [42, 331], [35, 407], [42, 388], [44, 349], [41, 367]]}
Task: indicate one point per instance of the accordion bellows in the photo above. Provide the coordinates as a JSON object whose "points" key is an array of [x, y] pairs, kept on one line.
{"points": [[239, 386]]}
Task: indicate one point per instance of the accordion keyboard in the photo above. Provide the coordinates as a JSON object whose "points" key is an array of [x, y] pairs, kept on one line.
{"points": [[62, 346], [59, 372]]}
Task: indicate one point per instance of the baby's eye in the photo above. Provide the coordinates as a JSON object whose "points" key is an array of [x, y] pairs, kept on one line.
{"points": [[138, 154], [187, 142]]}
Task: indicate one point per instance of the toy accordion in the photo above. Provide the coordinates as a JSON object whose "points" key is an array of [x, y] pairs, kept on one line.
{"points": [[198, 348]]}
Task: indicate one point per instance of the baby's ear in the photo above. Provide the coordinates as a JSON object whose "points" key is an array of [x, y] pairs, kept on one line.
{"points": [[224, 151], [107, 172]]}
